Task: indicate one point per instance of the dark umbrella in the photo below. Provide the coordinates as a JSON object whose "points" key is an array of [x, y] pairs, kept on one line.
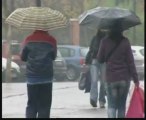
{"points": [[106, 17]]}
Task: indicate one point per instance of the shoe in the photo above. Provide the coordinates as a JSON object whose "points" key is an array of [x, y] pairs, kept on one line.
{"points": [[93, 103], [101, 105]]}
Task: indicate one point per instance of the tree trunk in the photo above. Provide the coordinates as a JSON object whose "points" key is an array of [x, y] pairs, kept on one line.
{"points": [[8, 70], [116, 2], [7, 28], [38, 3], [134, 29], [81, 3]]}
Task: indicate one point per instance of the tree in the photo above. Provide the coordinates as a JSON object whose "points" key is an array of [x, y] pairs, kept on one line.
{"points": [[116, 2], [71, 9], [134, 29], [8, 28], [38, 3]]}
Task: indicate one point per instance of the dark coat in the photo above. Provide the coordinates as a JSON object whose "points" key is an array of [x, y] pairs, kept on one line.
{"points": [[93, 49], [39, 51], [120, 65]]}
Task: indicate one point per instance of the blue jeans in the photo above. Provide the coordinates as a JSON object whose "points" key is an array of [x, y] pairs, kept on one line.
{"points": [[95, 71], [116, 95], [39, 100], [102, 92]]}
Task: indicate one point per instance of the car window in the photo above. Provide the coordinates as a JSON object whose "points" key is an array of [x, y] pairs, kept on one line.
{"points": [[58, 54], [142, 52], [83, 52], [72, 52], [66, 52], [15, 49]]}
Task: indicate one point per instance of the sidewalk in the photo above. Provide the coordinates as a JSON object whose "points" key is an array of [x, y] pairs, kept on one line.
{"points": [[67, 102]]}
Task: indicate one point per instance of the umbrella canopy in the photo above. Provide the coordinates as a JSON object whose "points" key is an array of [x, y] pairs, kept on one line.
{"points": [[37, 18], [106, 17]]}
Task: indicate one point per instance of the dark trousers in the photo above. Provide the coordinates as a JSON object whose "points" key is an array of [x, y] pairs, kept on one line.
{"points": [[39, 100]]}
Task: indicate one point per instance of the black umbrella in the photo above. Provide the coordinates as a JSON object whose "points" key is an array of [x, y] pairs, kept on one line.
{"points": [[106, 18]]}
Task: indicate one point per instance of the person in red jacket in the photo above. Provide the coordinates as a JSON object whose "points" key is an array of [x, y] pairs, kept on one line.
{"points": [[39, 51]]}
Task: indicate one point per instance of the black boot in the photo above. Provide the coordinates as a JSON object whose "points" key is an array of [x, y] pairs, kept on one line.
{"points": [[93, 103]]}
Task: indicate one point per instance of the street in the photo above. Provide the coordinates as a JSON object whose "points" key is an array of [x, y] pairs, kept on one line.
{"points": [[67, 102]]}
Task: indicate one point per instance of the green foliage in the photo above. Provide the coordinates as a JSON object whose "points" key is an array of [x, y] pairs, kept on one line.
{"points": [[89, 4], [127, 4], [72, 9]]}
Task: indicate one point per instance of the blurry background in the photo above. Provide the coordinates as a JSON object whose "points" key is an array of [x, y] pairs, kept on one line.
{"points": [[72, 34], [72, 9]]}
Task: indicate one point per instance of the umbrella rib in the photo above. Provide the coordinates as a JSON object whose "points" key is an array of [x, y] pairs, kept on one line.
{"points": [[37, 17], [48, 18], [106, 17]]}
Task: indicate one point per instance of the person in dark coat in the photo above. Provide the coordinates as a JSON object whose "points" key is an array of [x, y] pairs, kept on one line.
{"points": [[39, 51], [95, 68], [120, 68]]}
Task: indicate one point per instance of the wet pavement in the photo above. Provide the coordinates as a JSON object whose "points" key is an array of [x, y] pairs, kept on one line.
{"points": [[67, 102]]}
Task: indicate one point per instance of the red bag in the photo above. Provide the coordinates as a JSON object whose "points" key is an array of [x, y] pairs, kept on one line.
{"points": [[136, 106]]}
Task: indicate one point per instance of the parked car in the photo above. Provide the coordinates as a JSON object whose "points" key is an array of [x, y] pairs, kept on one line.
{"points": [[15, 70], [15, 51], [75, 59], [138, 53], [59, 66]]}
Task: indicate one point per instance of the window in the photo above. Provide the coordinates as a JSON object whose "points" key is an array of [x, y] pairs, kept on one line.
{"points": [[64, 52], [72, 52], [58, 54], [84, 52], [15, 49], [142, 52], [67, 52]]}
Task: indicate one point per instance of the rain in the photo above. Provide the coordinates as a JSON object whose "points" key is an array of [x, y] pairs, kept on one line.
{"points": [[73, 30]]}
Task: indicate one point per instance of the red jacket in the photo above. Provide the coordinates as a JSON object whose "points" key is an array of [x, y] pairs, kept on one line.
{"points": [[40, 36], [39, 50]]}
